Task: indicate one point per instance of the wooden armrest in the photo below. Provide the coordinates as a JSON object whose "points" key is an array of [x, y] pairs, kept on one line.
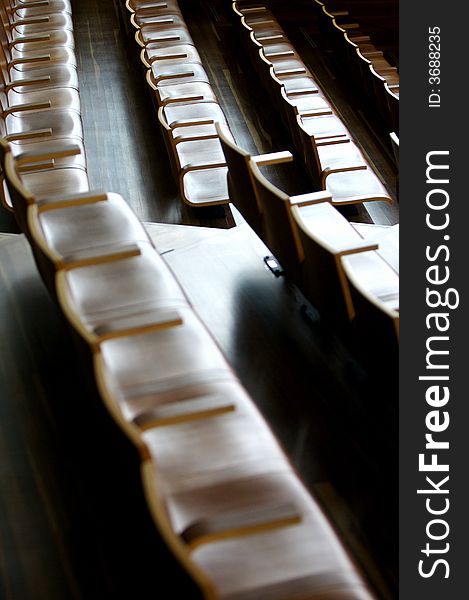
{"points": [[329, 141], [17, 7], [203, 166], [182, 99], [372, 54], [27, 82], [347, 26], [266, 22], [342, 169], [85, 258], [151, 7], [310, 198], [360, 247], [359, 38], [178, 139], [191, 122], [175, 56], [26, 107], [164, 38], [254, 9], [164, 21], [27, 135], [238, 524], [328, 136], [299, 92], [287, 72], [24, 61], [183, 411], [270, 38], [279, 54], [36, 156], [137, 324], [44, 204], [29, 21], [273, 158], [30, 39], [45, 165], [173, 76], [318, 112]]}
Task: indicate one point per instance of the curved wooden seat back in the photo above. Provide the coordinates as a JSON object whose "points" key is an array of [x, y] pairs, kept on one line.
{"points": [[323, 280], [374, 288], [20, 197], [279, 232], [240, 182]]}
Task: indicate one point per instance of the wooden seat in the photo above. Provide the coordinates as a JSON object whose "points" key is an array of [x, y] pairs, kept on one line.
{"points": [[137, 373], [323, 150], [66, 230], [280, 234], [46, 31], [159, 18], [156, 37], [153, 6], [112, 298], [355, 185], [325, 236], [282, 553], [374, 287], [49, 170], [180, 54], [167, 73], [25, 10], [183, 92]]}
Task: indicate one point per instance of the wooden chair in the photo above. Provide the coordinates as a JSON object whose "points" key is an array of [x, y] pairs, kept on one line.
{"points": [[325, 236], [45, 67], [392, 97], [323, 150], [47, 169], [45, 31], [25, 10], [157, 37], [66, 230], [167, 363], [271, 544], [374, 288], [175, 73], [152, 6], [240, 179], [35, 24], [115, 298], [280, 234], [181, 54]]}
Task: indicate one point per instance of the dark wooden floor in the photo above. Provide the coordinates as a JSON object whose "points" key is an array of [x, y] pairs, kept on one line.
{"points": [[69, 526]]}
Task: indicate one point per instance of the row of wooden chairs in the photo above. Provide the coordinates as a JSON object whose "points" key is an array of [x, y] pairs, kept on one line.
{"points": [[221, 491], [347, 276], [332, 158], [359, 51], [186, 104], [40, 104]]}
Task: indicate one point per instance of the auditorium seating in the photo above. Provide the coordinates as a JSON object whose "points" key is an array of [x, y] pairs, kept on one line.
{"points": [[219, 487], [166, 383], [317, 132], [306, 233], [180, 86], [364, 36]]}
